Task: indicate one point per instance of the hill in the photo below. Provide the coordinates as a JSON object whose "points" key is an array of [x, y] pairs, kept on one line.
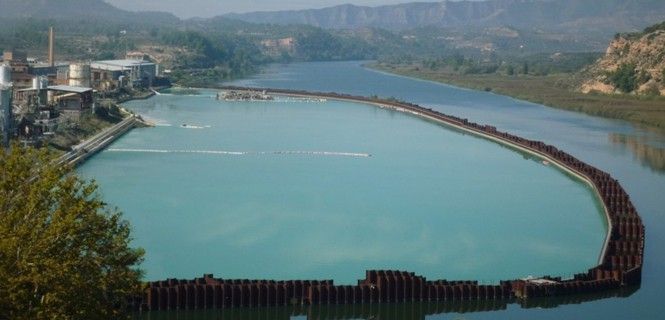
{"points": [[15, 11], [571, 15], [633, 63]]}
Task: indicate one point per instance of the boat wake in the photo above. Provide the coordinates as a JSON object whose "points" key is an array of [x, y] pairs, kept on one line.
{"points": [[191, 126], [245, 153], [156, 122]]}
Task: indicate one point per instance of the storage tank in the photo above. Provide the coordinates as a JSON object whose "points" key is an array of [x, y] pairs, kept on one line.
{"points": [[79, 75], [5, 74], [35, 83]]}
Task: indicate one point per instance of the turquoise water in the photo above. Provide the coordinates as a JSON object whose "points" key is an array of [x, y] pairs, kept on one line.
{"points": [[287, 189], [635, 159]]}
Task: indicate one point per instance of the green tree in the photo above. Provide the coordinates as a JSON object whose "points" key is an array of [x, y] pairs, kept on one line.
{"points": [[63, 253], [525, 68], [510, 70], [624, 78]]}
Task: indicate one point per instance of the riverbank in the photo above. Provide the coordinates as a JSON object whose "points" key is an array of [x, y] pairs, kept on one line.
{"points": [[99, 141], [106, 114], [551, 90]]}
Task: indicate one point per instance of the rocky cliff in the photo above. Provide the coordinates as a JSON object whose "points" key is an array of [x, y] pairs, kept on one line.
{"points": [[633, 63]]}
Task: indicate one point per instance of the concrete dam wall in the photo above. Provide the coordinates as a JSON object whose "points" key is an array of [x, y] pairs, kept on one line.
{"points": [[619, 264]]}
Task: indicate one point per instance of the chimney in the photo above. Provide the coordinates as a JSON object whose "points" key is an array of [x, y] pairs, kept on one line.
{"points": [[51, 44]]}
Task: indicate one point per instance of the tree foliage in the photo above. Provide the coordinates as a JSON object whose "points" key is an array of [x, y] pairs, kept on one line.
{"points": [[655, 27], [212, 57], [510, 70], [624, 78], [314, 44], [63, 253], [538, 64]]}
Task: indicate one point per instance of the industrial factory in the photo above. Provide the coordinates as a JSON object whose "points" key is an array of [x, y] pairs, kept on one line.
{"points": [[36, 97]]}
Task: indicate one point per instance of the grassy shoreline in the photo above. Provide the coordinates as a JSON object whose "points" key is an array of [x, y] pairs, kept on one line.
{"points": [[551, 90]]}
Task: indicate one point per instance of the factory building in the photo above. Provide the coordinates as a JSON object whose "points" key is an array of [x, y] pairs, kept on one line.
{"points": [[42, 69], [22, 80], [13, 55], [6, 122], [35, 118], [57, 74], [112, 74], [71, 101], [6, 131], [18, 62], [33, 96]]}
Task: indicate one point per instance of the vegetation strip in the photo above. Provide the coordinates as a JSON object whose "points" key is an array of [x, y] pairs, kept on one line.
{"points": [[552, 90], [620, 263]]}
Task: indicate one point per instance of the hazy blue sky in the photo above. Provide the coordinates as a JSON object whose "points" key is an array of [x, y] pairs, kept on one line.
{"points": [[209, 8]]}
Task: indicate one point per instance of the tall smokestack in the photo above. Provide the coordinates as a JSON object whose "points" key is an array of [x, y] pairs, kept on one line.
{"points": [[51, 44]]}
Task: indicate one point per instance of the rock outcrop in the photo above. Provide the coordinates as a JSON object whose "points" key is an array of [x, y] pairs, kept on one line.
{"points": [[634, 63]]}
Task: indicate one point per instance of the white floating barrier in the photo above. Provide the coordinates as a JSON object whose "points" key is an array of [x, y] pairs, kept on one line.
{"points": [[242, 153]]}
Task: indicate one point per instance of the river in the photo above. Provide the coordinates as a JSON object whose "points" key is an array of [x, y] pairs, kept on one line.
{"points": [[428, 199]]}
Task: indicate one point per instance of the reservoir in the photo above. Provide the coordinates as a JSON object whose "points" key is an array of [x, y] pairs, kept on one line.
{"points": [[633, 155], [293, 189]]}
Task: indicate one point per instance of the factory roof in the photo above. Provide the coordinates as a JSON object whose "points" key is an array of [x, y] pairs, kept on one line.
{"points": [[119, 65], [70, 89]]}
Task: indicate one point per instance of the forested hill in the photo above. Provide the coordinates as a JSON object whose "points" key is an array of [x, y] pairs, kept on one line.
{"points": [[560, 15]]}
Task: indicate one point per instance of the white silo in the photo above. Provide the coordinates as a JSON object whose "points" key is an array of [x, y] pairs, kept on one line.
{"points": [[35, 83], [5, 74], [79, 75]]}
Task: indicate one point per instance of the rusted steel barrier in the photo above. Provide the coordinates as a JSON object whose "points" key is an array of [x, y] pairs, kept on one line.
{"points": [[620, 262]]}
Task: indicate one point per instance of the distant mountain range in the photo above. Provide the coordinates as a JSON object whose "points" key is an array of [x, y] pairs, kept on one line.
{"points": [[558, 15], [353, 32], [77, 10], [561, 16]]}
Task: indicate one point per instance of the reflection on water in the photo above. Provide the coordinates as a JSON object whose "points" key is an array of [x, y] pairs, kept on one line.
{"points": [[643, 150], [412, 310], [548, 303]]}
